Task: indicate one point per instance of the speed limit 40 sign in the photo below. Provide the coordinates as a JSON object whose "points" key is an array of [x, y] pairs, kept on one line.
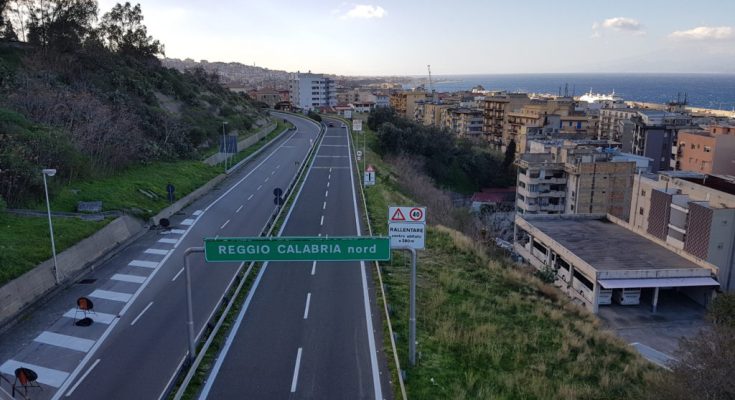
{"points": [[407, 227]]}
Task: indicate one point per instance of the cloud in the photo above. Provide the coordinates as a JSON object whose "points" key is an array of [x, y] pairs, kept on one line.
{"points": [[705, 33], [365, 11], [622, 24]]}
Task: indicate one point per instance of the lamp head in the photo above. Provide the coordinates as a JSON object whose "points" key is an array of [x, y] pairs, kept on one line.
{"points": [[49, 171]]}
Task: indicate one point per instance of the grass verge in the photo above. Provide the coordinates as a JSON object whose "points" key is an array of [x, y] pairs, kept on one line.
{"points": [[488, 330], [25, 242]]}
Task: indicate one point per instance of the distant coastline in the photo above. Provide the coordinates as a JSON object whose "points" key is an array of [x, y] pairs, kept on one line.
{"points": [[712, 91]]}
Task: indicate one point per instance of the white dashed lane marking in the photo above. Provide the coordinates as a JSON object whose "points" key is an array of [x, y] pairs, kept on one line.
{"points": [[97, 317], [159, 252], [188, 221], [110, 295], [46, 376], [168, 241], [128, 278], [144, 264], [65, 341]]}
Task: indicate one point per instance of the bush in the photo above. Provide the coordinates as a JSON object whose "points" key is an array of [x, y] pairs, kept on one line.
{"points": [[3, 205], [547, 274], [316, 117]]}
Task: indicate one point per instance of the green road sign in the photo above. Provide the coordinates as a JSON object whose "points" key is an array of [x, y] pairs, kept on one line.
{"points": [[358, 248]]}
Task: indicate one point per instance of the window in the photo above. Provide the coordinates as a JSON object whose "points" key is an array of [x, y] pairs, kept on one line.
{"points": [[707, 149], [640, 211], [643, 193]]}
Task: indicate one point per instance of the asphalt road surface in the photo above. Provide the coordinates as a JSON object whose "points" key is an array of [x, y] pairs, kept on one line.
{"points": [[138, 340], [306, 330]]}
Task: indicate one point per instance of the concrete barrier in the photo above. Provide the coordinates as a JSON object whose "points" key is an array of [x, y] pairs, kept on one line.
{"points": [[22, 292]]}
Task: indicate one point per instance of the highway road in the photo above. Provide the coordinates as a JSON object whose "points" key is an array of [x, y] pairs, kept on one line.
{"points": [[138, 341], [306, 330]]}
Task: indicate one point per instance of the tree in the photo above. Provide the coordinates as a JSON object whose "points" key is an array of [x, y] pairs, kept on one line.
{"points": [[510, 154], [123, 31], [60, 25], [706, 363]]}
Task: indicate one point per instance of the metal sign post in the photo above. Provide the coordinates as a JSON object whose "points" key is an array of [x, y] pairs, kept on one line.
{"points": [[412, 312], [189, 308]]}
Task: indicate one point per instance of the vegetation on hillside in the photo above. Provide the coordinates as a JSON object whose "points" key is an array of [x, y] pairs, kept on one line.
{"points": [[89, 97], [456, 164], [488, 329]]}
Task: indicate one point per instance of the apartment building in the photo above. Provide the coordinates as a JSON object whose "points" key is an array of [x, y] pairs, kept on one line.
{"points": [[610, 126], [404, 102], [569, 177], [495, 107], [707, 151], [652, 134], [463, 122], [267, 96], [689, 213], [310, 91], [547, 113]]}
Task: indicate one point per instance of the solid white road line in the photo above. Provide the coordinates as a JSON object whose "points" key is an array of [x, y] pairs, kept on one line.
{"points": [[334, 145], [332, 156], [236, 327], [47, 376], [313, 267], [128, 278], [295, 379], [322, 222], [188, 221], [378, 394], [324, 207], [65, 341], [197, 212], [144, 264], [159, 252], [225, 224], [109, 330], [251, 196], [110, 295], [177, 274], [94, 364], [141, 313], [102, 318], [168, 241], [238, 209], [306, 309]]}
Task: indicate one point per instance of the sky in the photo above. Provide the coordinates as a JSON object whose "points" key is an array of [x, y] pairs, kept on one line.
{"points": [[455, 37]]}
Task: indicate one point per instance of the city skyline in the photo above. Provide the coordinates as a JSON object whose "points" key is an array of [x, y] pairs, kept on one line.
{"points": [[464, 37]]}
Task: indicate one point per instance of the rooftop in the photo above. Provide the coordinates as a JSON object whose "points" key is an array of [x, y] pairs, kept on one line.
{"points": [[590, 240]]}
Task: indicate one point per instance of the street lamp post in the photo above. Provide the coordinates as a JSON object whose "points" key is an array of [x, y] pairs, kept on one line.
{"points": [[51, 172], [224, 143]]}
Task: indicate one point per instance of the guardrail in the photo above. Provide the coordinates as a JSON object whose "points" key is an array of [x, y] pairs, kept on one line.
{"points": [[267, 230]]}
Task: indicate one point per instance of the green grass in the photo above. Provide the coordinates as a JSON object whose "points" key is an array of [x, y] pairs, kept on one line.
{"points": [[141, 189], [25, 242], [487, 330]]}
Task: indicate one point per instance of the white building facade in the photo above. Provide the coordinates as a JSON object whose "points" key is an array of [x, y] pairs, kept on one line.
{"points": [[310, 91]]}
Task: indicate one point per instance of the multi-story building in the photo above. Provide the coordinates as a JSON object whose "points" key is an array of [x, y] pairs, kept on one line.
{"points": [[310, 91], [404, 102], [708, 152], [431, 114], [610, 126], [690, 213], [544, 113], [495, 107], [463, 122], [571, 177], [652, 134], [267, 96]]}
